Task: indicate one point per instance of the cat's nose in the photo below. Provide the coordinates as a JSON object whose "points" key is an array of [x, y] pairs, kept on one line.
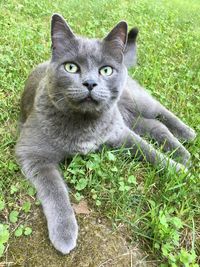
{"points": [[90, 84]]}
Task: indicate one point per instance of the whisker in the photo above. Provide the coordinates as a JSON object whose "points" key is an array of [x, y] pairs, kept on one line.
{"points": [[59, 100], [76, 94], [54, 94]]}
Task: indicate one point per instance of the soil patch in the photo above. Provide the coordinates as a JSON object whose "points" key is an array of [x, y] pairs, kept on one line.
{"points": [[98, 246]]}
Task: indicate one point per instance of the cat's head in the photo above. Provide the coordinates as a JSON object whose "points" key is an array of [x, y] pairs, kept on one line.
{"points": [[88, 75]]}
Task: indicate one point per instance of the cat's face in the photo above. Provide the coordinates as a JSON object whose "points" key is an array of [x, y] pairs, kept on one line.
{"points": [[84, 74]]}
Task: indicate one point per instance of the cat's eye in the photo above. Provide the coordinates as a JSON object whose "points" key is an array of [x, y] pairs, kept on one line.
{"points": [[71, 68], [106, 71]]}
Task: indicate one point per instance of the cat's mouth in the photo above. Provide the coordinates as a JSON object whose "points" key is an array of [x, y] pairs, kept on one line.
{"points": [[88, 99]]}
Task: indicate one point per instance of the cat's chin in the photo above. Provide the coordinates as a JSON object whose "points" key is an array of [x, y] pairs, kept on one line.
{"points": [[87, 105]]}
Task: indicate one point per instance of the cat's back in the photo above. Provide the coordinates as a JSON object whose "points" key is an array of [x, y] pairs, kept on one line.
{"points": [[31, 85]]}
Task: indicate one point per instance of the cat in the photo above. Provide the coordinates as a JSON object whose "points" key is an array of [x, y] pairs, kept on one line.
{"points": [[80, 100]]}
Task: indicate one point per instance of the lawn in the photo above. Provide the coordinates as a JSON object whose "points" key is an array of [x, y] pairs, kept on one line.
{"points": [[160, 209]]}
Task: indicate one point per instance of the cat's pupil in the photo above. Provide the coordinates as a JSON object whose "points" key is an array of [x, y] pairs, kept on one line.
{"points": [[70, 67]]}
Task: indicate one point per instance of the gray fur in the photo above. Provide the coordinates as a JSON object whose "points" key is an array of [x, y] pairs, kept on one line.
{"points": [[58, 121], [130, 56]]}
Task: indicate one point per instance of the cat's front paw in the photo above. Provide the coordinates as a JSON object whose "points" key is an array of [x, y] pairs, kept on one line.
{"points": [[63, 233]]}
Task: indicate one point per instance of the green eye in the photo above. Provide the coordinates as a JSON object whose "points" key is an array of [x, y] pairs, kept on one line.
{"points": [[106, 71], [71, 68]]}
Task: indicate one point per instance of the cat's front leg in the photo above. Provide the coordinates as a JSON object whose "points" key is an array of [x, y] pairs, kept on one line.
{"points": [[53, 194], [123, 136]]}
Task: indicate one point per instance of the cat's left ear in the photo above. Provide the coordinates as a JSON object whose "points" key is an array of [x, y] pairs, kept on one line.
{"points": [[130, 56], [118, 36]]}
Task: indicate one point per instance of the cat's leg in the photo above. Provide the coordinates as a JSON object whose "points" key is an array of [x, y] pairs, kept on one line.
{"points": [[146, 106], [176, 126], [154, 110], [123, 136], [161, 134], [43, 173]]}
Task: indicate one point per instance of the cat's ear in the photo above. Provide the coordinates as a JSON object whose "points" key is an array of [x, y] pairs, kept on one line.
{"points": [[118, 36], [130, 56], [60, 32]]}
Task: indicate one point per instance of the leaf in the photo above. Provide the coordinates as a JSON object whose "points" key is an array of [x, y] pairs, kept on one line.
{"points": [[90, 165], [13, 216], [13, 189], [82, 183], [123, 187], [12, 166], [2, 205], [4, 233], [111, 156], [114, 169], [26, 206], [81, 207], [163, 219], [153, 204], [78, 196], [37, 202], [166, 249], [186, 257], [2, 247], [19, 231], [157, 246], [132, 179], [31, 191], [177, 222], [98, 202], [27, 231]]}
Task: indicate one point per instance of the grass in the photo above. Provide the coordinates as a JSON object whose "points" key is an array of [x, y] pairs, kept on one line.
{"points": [[159, 208]]}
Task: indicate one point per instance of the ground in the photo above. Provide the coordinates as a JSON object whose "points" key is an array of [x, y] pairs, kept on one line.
{"points": [[98, 245], [156, 211]]}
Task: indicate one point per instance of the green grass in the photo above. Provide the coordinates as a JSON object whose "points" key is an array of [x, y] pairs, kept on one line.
{"points": [[159, 208]]}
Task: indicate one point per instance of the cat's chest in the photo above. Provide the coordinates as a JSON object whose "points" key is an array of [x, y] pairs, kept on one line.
{"points": [[78, 137], [81, 144]]}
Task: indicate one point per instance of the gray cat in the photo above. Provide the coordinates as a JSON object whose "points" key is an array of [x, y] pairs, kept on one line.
{"points": [[76, 102]]}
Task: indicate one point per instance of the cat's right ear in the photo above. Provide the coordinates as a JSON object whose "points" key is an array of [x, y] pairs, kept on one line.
{"points": [[61, 34]]}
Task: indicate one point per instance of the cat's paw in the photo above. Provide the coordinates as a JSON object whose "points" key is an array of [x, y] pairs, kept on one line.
{"points": [[189, 134], [181, 168], [183, 156], [63, 233], [177, 166]]}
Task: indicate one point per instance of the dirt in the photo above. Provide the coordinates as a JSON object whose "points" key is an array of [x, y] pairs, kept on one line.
{"points": [[98, 246]]}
